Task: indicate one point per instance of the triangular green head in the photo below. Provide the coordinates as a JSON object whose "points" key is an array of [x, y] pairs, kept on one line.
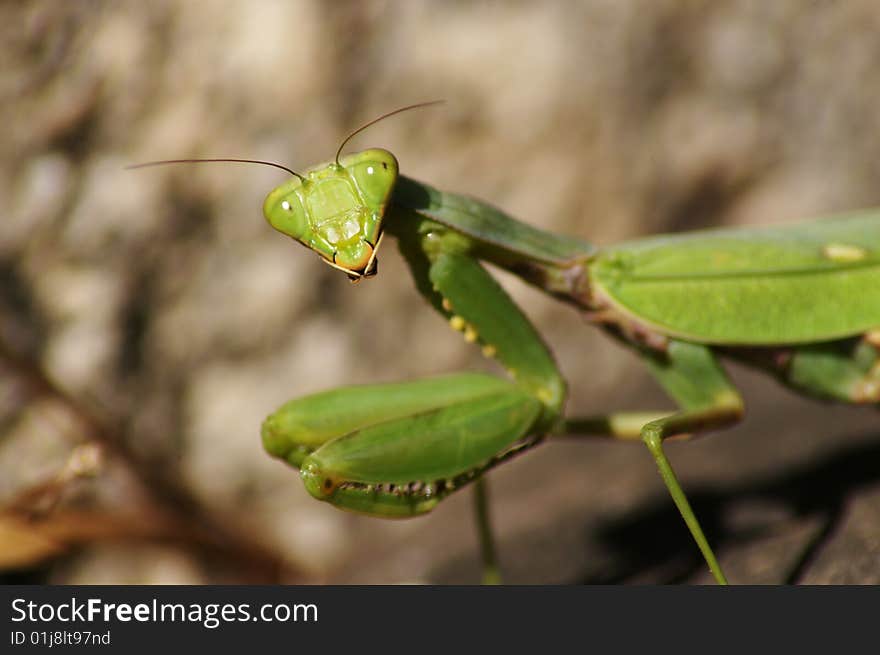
{"points": [[336, 209]]}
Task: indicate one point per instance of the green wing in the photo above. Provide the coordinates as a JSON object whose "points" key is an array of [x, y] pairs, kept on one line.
{"points": [[787, 285]]}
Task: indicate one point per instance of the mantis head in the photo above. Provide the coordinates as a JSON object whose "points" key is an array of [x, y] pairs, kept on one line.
{"points": [[336, 209]]}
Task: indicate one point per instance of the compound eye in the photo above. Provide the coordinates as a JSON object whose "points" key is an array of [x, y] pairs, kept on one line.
{"points": [[374, 178], [285, 213]]}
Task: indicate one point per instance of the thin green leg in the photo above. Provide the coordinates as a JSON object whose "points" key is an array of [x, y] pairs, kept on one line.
{"points": [[491, 571], [691, 375], [653, 435], [623, 426]]}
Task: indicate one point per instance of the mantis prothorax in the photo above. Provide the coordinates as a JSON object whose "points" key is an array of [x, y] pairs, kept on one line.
{"points": [[800, 302]]}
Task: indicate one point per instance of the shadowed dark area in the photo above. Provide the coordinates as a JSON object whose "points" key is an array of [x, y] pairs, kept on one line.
{"points": [[765, 529], [654, 537]]}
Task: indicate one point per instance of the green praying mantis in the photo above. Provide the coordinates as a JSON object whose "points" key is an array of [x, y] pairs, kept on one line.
{"points": [[800, 302]]}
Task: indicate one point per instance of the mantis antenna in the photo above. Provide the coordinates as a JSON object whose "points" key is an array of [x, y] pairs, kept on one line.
{"points": [[201, 161], [383, 117], [163, 162]]}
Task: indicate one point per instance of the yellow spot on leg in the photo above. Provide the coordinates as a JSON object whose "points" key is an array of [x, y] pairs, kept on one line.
{"points": [[873, 337], [489, 350], [867, 391], [470, 334], [457, 323], [447, 305], [842, 252]]}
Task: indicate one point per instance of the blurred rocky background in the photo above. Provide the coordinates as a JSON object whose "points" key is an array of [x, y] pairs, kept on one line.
{"points": [[150, 319]]}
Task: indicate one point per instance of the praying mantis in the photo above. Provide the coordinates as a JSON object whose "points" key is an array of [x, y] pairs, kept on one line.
{"points": [[800, 303]]}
